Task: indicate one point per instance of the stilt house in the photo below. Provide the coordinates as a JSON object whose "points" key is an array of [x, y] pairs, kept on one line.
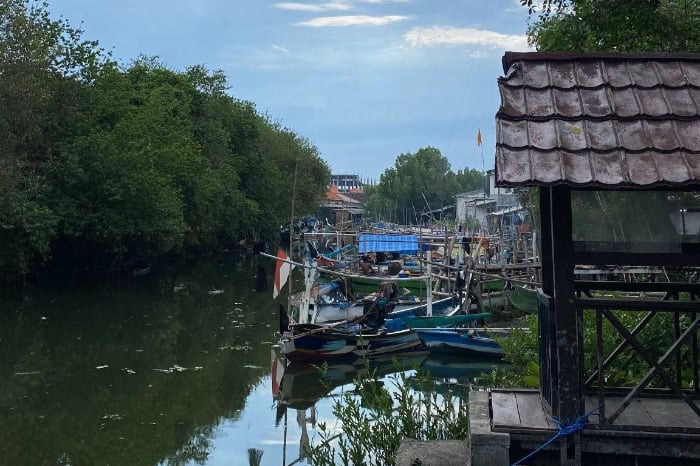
{"points": [[612, 143]]}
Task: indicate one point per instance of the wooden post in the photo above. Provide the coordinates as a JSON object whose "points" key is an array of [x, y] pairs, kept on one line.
{"points": [[570, 400]]}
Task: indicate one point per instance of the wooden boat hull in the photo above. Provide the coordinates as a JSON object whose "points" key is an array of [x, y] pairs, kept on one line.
{"points": [[316, 343], [452, 341], [523, 299]]}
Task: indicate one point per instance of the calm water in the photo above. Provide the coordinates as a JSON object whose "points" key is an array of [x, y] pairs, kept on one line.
{"points": [[156, 370]]}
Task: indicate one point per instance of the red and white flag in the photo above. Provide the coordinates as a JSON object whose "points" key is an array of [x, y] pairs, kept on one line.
{"points": [[282, 270]]}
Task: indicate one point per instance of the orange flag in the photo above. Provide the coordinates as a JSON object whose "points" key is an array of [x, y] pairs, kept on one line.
{"points": [[478, 137]]}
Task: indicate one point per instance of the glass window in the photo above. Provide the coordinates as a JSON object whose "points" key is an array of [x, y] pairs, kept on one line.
{"points": [[636, 221]]}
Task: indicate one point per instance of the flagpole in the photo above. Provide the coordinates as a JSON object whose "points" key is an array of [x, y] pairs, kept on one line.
{"points": [[291, 233]]}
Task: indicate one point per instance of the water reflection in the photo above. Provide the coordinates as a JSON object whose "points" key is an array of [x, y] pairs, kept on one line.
{"points": [[134, 371], [299, 389], [155, 370]]}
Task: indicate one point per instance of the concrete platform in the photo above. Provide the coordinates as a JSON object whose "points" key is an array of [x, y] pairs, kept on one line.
{"points": [[436, 453]]}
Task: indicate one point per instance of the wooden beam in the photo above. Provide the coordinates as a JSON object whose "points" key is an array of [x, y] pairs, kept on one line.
{"points": [[569, 372], [637, 305]]}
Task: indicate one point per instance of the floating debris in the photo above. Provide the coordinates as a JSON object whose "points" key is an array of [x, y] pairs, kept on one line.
{"points": [[179, 287], [129, 371], [44, 318], [177, 368], [251, 366], [113, 417], [102, 367], [28, 373], [214, 292]]}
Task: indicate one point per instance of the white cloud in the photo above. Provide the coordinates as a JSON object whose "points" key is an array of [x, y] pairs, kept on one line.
{"points": [[342, 21], [279, 48], [383, 1], [448, 35], [314, 7]]}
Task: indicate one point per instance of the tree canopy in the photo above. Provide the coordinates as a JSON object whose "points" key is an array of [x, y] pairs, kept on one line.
{"points": [[615, 25], [102, 163], [419, 183]]}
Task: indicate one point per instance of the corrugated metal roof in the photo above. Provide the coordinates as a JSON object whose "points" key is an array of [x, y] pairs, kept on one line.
{"points": [[599, 120], [403, 244]]}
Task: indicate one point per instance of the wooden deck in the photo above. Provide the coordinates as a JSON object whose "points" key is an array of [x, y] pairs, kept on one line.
{"points": [[649, 426], [524, 410]]}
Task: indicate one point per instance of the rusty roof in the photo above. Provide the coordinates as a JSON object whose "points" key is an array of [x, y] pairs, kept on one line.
{"points": [[607, 120]]}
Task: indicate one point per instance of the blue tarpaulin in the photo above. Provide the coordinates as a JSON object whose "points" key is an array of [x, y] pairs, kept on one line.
{"points": [[402, 244]]}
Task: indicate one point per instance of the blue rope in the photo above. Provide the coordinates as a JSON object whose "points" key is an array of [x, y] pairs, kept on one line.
{"points": [[578, 425]]}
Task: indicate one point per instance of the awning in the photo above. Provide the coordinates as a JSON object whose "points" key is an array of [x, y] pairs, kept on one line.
{"points": [[402, 244]]}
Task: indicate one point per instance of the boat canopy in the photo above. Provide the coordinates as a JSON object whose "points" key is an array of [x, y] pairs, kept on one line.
{"points": [[402, 244]]}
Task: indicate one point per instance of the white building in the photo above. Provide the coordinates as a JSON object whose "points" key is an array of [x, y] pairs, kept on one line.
{"points": [[473, 208]]}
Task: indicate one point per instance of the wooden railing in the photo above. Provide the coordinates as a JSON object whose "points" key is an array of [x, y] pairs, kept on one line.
{"points": [[684, 336], [547, 338]]}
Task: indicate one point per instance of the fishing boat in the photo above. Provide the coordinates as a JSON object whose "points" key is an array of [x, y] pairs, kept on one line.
{"points": [[344, 341], [446, 321], [523, 298], [466, 340]]}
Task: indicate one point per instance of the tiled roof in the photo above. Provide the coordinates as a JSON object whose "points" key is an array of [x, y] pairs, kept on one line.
{"points": [[599, 120]]}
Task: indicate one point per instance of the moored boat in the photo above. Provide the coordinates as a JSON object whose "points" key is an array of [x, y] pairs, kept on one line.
{"points": [[345, 341], [451, 340]]}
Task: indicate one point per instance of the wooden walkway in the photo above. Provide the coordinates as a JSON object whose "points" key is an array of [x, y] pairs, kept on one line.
{"points": [[523, 411]]}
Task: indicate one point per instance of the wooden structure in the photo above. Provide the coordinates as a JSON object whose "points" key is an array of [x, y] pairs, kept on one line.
{"points": [[580, 126]]}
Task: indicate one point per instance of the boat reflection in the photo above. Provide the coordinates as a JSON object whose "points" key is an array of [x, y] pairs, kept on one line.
{"points": [[301, 385]]}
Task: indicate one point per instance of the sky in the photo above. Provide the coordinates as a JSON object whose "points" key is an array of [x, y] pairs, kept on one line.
{"points": [[363, 80]]}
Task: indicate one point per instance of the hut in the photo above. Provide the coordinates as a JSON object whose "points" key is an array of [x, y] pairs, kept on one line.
{"points": [[612, 143]]}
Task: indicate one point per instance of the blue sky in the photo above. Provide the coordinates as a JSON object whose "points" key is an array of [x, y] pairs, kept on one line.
{"points": [[363, 80]]}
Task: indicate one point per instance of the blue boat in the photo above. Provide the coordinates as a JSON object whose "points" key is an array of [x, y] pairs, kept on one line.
{"points": [[309, 342], [458, 340]]}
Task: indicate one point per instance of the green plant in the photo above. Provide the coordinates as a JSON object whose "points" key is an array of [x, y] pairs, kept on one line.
{"points": [[375, 419]]}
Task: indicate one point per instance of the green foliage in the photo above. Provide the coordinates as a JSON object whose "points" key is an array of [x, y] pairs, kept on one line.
{"points": [[522, 350], [418, 183], [101, 163], [375, 422], [616, 25]]}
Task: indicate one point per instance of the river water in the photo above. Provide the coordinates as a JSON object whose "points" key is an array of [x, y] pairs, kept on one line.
{"points": [[158, 370]]}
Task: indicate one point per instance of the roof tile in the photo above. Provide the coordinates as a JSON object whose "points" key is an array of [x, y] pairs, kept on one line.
{"points": [[546, 167], [652, 102], [595, 102], [513, 133], [681, 102], [672, 167], [602, 135], [513, 101], [692, 73], [589, 74], [542, 134], [535, 74], [562, 75], [513, 165], [641, 169], [567, 103], [601, 120], [671, 73], [642, 74], [571, 135], [617, 74], [689, 134], [625, 103], [607, 168], [576, 167], [539, 102], [661, 135], [632, 135]]}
